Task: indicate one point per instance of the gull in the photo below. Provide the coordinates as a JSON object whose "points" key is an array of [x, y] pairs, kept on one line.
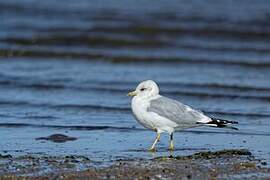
{"points": [[162, 114]]}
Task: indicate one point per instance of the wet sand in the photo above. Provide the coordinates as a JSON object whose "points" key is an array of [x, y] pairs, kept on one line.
{"points": [[203, 165]]}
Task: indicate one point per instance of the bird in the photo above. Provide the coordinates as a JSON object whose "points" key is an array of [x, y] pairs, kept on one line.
{"points": [[165, 115]]}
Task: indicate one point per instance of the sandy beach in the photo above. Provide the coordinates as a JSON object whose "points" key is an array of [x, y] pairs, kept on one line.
{"points": [[226, 164]]}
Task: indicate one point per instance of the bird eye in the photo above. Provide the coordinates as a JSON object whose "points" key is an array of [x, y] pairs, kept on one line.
{"points": [[142, 89]]}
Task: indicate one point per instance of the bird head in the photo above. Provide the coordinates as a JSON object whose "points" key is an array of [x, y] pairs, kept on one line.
{"points": [[146, 88]]}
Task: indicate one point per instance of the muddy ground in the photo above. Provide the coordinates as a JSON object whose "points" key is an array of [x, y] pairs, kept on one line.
{"points": [[235, 164]]}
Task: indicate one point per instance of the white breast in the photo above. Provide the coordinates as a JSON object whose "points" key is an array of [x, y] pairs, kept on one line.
{"points": [[139, 109], [150, 120]]}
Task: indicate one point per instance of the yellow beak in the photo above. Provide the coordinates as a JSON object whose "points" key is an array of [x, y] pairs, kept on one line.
{"points": [[132, 93]]}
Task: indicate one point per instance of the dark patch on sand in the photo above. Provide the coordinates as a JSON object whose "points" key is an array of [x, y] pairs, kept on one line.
{"points": [[6, 156], [210, 155], [58, 138]]}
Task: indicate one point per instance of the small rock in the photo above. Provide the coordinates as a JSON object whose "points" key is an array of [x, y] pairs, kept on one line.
{"points": [[58, 138], [7, 156]]}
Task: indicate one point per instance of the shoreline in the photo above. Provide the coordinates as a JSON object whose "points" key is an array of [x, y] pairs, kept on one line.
{"points": [[232, 163]]}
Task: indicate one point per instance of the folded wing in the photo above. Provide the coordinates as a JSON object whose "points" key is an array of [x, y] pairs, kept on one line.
{"points": [[177, 112]]}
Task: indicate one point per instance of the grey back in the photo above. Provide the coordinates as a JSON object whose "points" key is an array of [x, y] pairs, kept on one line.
{"points": [[171, 109]]}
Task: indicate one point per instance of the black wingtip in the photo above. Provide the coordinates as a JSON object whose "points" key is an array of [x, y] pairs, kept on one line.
{"points": [[222, 121]]}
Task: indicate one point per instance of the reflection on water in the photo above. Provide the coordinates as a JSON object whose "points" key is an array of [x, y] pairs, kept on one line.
{"points": [[66, 68]]}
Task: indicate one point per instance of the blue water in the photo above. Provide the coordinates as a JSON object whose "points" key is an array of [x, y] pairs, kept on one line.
{"points": [[66, 66]]}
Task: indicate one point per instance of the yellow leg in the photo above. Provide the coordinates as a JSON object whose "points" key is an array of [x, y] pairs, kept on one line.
{"points": [[155, 142], [171, 142]]}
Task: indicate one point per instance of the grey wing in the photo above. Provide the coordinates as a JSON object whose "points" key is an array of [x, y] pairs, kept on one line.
{"points": [[175, 111]]}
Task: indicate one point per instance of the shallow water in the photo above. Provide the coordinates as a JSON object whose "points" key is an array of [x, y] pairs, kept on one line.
{"points": [[66, 68]]}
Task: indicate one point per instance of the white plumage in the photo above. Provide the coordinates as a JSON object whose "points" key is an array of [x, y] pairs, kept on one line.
{"points": [[162, 114]]}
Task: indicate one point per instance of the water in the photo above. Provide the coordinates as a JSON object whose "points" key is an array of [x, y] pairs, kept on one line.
{"points": [[66, 68]]}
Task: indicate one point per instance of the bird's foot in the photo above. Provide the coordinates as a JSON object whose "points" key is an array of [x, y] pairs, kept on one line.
{"points": [[171, 148], [152, 149]]}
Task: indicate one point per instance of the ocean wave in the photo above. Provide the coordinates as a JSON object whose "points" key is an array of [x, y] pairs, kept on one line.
{"points": [[91, 107], [71, 127], [123, 109], [99, 56], [121, 129], [210, 90]]}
